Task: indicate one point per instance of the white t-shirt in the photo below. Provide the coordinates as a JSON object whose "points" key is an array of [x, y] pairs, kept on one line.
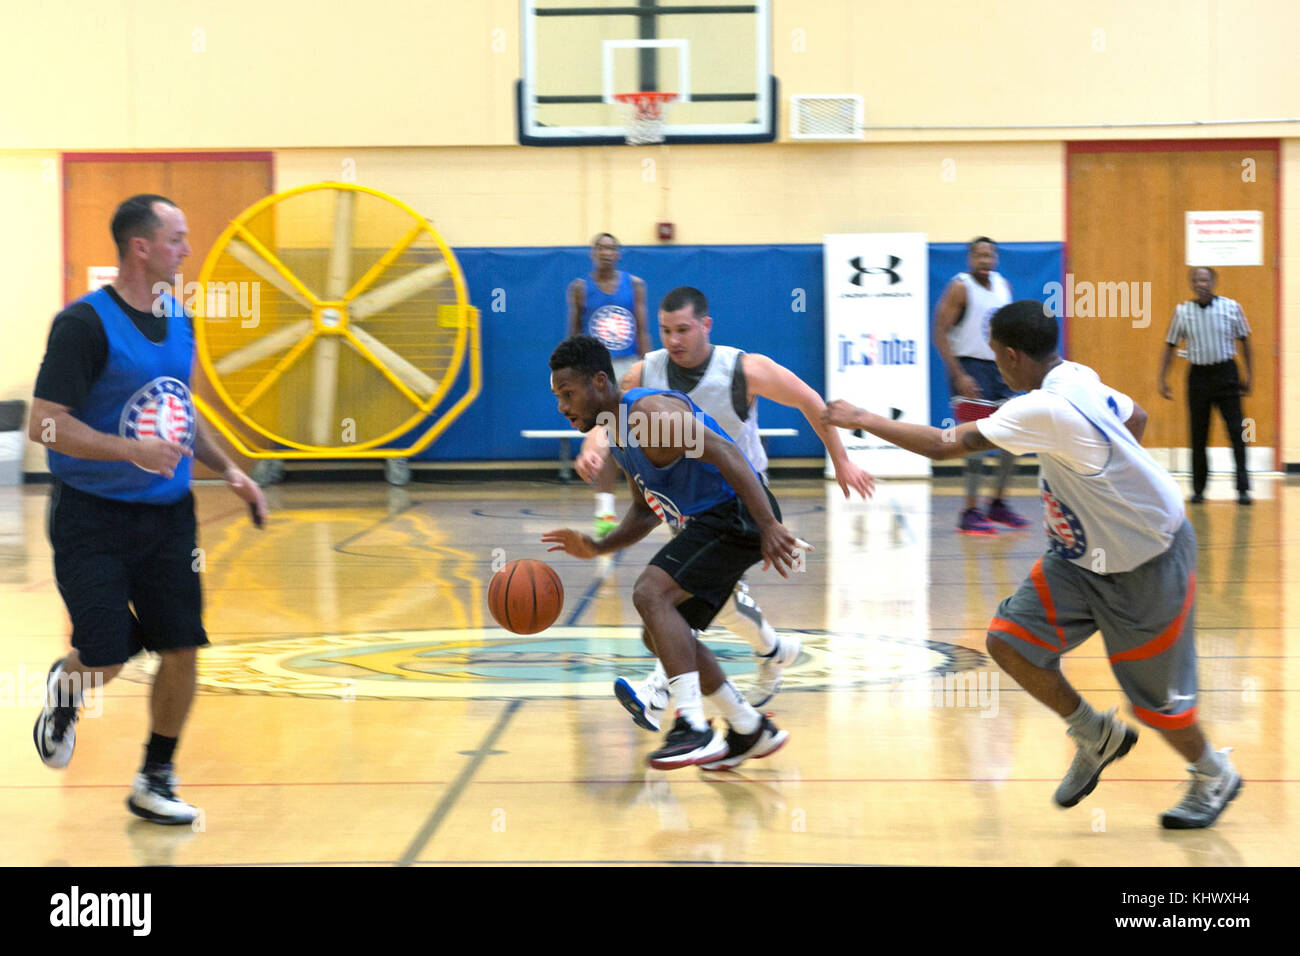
{"points": [[1040, 422], [1108, 507]]}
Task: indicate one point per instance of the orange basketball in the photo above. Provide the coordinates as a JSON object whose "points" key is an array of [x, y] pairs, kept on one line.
{"points": [[526, 596]]}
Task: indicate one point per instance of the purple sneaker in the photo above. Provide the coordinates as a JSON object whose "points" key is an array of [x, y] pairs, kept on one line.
{"points": [[973, 522], [1003, 515]]}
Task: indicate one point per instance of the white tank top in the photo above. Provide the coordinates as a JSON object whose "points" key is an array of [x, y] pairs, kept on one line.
{"points": [[1124, 515], [713, 394], [969, 338]]}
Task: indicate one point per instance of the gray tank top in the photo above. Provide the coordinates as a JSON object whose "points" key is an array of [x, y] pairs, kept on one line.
{"points": [[713, 394]]}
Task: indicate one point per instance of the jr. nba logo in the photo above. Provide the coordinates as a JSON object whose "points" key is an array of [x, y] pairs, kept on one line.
{"points": [[162, 409], [1065, 533], [614, 326], [664, 508]]}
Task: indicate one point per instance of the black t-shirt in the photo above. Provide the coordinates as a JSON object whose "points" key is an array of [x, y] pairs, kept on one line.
{"points": [[77, 350], [684, 379]]}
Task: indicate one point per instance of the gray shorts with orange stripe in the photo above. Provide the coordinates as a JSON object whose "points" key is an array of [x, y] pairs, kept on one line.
{"points": [[1146, 617]]}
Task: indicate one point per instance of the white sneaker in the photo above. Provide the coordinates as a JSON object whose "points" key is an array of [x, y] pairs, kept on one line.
{"points": [[1206, 798], [646, 702], [768, 681], [153, 796], [55, 732], [1093, 756]]}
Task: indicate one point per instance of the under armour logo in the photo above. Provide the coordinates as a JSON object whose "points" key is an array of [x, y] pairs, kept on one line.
{"points": [[894, 277]]}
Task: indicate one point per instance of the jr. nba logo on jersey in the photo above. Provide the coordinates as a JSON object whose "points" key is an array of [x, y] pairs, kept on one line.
{"points": [[614, 326], [1064, 529], [162, 409], [668, 512]]}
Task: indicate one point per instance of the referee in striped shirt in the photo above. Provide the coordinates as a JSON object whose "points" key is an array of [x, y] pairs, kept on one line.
{"points": [[1212, 325]]}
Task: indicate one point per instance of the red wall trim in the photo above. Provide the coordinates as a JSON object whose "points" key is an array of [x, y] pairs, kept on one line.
{"points": [[215, 157], [1167, 145]]}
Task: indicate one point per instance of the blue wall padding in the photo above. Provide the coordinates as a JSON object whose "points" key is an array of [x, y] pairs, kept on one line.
{"points": [[763, 298]]}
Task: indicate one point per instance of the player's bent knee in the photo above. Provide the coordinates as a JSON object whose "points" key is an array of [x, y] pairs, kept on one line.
{"points": [[648, 595], [998, 648], [654, 589]]}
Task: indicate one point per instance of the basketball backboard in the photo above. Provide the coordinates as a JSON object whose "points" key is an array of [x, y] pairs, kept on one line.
{"points": [[579, 54]]}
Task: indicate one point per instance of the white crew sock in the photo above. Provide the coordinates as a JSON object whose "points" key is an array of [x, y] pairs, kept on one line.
{"points": [[685, 690], [1087, 721], [604, 503], [1211, 763], [742, 717]]}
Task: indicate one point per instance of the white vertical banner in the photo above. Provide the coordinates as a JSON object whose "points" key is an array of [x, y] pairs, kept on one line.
{"points": [[878, 339]]}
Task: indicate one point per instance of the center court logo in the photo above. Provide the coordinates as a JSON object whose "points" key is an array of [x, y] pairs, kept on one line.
{"points": [[561, 663]]}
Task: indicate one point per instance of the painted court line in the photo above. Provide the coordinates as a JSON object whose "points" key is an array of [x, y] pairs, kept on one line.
{"points": [[484, 749]]}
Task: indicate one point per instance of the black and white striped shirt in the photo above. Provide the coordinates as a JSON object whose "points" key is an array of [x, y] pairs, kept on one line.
{"points": [[1211, 331]]}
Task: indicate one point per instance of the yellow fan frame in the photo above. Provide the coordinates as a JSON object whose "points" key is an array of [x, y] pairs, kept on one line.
{"points": [[468, 340]]}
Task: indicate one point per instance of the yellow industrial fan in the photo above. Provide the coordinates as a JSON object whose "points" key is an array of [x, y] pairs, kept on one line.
{"points": [[333, 321]]}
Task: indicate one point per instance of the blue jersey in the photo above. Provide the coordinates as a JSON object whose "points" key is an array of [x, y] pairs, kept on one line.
{"points": [[611, 317], [686, 487], [143, 392]]}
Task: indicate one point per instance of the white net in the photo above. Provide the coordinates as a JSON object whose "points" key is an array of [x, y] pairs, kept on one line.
{"points": [[643, 115]]}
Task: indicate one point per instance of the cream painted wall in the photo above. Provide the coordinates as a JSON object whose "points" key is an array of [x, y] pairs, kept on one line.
{"points": [[173, 74], [169, 74], [31, 246], [715, 194], [1031, 62]]}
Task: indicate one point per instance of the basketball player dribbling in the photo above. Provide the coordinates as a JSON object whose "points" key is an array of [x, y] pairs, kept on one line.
{"points": [[1121, 559], [726, 383], [690, 474]]}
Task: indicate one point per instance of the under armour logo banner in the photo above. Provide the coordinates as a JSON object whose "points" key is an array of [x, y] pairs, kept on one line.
{"points": [[877, 336], [862, 270]]}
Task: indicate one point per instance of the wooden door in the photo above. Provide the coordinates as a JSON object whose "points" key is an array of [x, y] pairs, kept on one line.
{"points": [[210, 188], [1126, 224]]}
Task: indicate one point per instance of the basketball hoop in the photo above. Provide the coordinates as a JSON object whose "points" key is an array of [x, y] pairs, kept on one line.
{"points": [[645, 116]]}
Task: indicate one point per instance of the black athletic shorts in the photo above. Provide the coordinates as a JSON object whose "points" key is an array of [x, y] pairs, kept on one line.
{"points": [[710, 554], [127, 574]]}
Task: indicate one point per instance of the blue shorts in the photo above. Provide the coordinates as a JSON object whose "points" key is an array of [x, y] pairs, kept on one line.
{"points": [[988, 378], [1146, 617]]}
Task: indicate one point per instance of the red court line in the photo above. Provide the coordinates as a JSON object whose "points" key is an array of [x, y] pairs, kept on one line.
{"points": [[731, 780]]}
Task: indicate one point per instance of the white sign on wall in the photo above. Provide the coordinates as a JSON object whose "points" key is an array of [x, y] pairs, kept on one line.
{"points": [[878, 338], [1226, 238], [99, 276]]}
